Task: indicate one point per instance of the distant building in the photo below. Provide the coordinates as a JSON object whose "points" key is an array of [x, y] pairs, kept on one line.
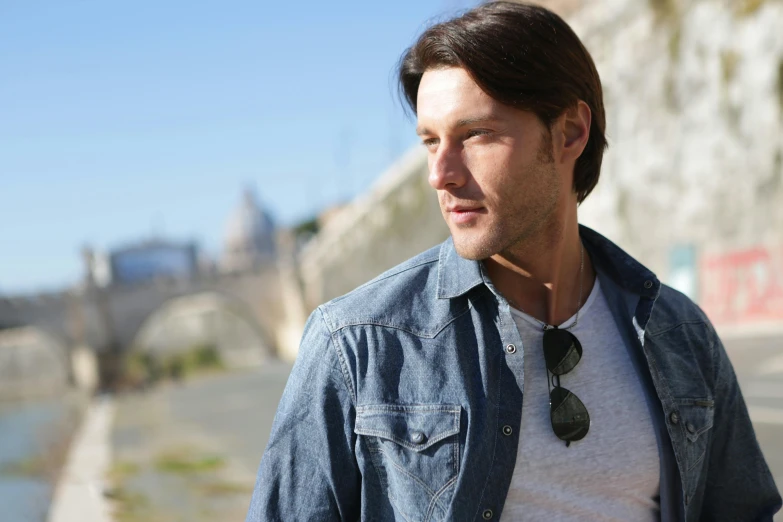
{"points": [[152, 260], [98, 267], [249, 241], [249, 238]]}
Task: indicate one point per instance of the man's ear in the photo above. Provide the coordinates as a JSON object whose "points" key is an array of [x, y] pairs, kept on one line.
{"points": [[574, 127]]}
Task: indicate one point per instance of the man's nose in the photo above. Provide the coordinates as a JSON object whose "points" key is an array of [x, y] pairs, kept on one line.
{"points": [[447, 170]]}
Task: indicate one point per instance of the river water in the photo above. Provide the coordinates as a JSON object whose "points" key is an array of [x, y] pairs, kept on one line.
{"points": [[33, 435]]}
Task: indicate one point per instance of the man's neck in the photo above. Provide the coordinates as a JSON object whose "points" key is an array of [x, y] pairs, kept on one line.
{"points": [[541, 275]]}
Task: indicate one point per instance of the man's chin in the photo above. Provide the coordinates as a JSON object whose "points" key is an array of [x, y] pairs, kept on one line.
{"points": [[472, 248]]}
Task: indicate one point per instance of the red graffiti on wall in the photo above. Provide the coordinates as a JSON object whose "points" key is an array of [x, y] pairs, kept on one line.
{"points": [[743, 286]]}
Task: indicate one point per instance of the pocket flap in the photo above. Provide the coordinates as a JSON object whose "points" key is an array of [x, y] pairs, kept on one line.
{"points": [[413, 426], [697, 416]]}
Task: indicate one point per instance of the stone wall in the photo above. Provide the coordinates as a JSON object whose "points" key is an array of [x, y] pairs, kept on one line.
{"points": [[395, 220], [694, 101]]}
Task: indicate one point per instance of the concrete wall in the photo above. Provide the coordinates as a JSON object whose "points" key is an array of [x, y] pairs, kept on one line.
{"points": [[398, 218]]}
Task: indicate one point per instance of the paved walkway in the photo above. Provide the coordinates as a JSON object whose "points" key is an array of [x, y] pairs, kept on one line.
{"points": [[79, 494], [190, 452], [758, 363]]}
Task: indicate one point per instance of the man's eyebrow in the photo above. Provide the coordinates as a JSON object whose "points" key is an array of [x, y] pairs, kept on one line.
{"points": [[464, 122]]}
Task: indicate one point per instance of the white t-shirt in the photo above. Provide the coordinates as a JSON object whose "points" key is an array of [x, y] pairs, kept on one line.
{"points": [[613, 474]]}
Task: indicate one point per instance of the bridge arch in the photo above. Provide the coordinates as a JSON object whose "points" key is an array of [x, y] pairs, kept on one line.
{"points": [[209, 318]]}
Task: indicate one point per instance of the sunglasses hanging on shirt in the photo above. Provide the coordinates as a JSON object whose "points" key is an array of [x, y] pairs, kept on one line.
{"points": [[562, 352], [569, 416]]}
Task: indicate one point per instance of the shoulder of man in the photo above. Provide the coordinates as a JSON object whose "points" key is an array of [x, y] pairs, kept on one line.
{"points": [[403, 297], [684, 340], [674, 309]]}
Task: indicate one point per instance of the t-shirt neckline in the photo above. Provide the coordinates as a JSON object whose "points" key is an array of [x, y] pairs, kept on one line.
{"points": [[566, 324]]}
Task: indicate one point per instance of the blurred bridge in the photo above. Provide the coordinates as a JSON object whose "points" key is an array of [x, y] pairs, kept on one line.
{"points": [[109, 320]]}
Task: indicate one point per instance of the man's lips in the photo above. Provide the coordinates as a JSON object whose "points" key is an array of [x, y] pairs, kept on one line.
{"points": [[463, 208], [462, 215]]}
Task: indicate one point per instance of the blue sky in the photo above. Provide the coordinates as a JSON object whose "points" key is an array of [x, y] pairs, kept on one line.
{"points": [[123, 119]]}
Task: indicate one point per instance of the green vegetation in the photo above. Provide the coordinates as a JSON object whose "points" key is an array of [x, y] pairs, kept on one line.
{"points": [[120, 471], [668, 15], [182, 463], [773, 185], [728, 64], [143, 368], [139, 368], [53, 441], [218, 488], [779, 86], [32, 467], [747, 7], [670, 92], [206, 357], [307, 228], [675, 37], [664, 9], [130, 507], [198, 471]]}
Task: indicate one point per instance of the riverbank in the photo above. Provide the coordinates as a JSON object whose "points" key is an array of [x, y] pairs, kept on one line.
{"points": [[35, 436], [190, 451]]}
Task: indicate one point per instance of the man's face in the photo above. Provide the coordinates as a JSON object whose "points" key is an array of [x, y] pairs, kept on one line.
{"points": [[491, 164]]}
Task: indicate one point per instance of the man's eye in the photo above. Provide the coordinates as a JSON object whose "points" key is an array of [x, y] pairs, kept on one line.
{"points": [[430, 143], [477, 132]]}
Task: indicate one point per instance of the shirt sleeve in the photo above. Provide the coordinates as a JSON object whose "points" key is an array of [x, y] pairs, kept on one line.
{"points": [[308, 471], [739, 484]]}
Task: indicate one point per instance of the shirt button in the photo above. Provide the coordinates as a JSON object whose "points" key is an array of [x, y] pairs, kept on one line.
{"points": [[648, 284], [690, 427], [417, 437], [507, 430], [511, 349], [674, 418], [487, 514]]}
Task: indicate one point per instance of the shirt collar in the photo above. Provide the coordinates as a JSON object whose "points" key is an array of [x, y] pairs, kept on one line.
{"points": [[457, 275], [617, 265]]}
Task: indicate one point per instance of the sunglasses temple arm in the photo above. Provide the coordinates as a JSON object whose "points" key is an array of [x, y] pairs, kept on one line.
{"points": [[549, 386]]}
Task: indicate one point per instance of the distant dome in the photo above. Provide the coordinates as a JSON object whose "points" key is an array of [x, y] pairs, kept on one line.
{"points": [[250, 236]]}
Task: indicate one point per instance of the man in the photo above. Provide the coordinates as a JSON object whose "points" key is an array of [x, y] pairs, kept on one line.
{"points": [[527, 368]]}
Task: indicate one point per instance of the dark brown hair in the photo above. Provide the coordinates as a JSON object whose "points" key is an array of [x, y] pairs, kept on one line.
{"points": [[524, 56]]}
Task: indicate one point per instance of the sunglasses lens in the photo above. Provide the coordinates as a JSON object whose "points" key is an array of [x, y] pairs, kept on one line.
{"points": [[570, 419], [562, 351]]}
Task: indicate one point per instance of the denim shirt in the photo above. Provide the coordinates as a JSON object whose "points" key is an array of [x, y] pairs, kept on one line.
{"points": [[405, 400]]}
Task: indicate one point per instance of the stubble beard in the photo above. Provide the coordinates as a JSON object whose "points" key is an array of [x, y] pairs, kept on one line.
{"points": [[524, 222]]}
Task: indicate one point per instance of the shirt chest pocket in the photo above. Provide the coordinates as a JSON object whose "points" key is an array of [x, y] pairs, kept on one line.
{"points": [[415, 450]]}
